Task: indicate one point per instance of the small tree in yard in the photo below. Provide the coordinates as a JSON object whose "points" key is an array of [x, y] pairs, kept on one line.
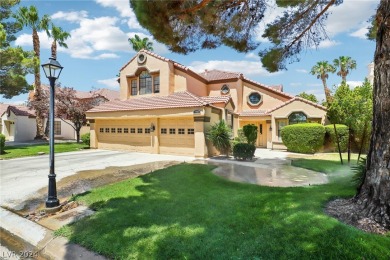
{"points": [[219, 135], [250, 132], [69, 107]]}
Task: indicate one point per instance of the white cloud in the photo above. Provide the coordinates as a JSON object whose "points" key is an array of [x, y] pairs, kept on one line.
{"points": [[252, 55], [111, 83], [94, 38], [302, 71], [354, 84], [326, 44], [123, 7], [26, 40], [361, 33], [248, 67], [76, 16], [350, 15]]}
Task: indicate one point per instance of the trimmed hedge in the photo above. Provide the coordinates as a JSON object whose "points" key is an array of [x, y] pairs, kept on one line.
{"points": [[250, 132], [330, 138], [243, 151], [86, 138], [2, 143], [303, 138]]}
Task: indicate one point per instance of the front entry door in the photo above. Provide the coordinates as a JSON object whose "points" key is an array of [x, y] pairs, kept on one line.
{"points": [[262, 135]]}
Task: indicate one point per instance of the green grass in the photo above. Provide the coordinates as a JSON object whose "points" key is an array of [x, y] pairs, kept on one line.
{"points": [[33, 150], [186, 212]]}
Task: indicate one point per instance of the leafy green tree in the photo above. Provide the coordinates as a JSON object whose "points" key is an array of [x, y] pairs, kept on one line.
{"points": [[28, 17], [15, 63], [345, 64], [138, 44], [250, 132], [321, 70], [219, 135], [9, 25], [372, 30], [186, 26], [352, 107], [310, 97]]}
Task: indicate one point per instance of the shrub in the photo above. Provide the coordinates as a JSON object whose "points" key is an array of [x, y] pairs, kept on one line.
{"points": [[244, 151], [303, 138], [330, 137], [86, 138], [240, 138], [250, 132], [2, 143], [219, 135]]}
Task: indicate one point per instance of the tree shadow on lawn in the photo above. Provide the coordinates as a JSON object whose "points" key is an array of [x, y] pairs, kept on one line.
{"points": [[186, 212]]}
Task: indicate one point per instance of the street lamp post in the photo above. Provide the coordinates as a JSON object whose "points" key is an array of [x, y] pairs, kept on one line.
{"points": [[52, 71]]}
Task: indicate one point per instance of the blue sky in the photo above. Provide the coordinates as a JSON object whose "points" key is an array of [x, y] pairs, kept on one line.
{"points": [[99, 47]]}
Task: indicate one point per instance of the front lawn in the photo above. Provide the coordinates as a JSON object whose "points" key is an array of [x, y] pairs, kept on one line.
{"points": [[186, 212], [33, 150]]}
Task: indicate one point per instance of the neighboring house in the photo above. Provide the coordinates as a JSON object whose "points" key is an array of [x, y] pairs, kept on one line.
{"points": [[165, 107], [18, 122]]}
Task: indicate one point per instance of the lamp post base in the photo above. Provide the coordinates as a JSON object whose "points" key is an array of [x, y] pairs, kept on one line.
{"points": [[51, 210], [51, 203]]}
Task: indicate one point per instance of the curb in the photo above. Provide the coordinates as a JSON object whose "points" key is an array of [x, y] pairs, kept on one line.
{"points": [[43, 239]]}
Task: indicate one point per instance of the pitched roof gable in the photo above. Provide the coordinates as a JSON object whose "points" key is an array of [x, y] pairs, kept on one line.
{"points": [[176, 100], [18, 110], [295, 99]]}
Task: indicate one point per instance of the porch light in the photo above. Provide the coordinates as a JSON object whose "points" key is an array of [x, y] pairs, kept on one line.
{"points": [[152, 127], [270, 128]]}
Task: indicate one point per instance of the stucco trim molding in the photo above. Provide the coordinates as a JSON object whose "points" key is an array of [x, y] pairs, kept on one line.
{"points": [[202, 119]]}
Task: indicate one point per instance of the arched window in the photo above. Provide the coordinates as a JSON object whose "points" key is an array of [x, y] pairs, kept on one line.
{"points": [[296, 118], [145, 83]]}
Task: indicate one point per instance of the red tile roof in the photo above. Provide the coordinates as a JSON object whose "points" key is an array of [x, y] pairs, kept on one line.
{"points": [[18, 110], [253, 112], [211, 75], [106, 93], [176, 100]]}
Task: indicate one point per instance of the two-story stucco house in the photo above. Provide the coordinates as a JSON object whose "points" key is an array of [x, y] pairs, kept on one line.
{"points": [[165, 107]]}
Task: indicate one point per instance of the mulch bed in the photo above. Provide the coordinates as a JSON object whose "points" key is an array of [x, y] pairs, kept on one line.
{"points": [[346, 210]]}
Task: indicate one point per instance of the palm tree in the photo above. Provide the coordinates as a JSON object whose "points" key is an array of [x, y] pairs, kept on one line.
{"points": [[344, 63], [321, 70], [139, 44], [59, 36], [28, 17]]}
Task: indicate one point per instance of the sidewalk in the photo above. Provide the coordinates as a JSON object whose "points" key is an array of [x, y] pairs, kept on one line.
{"points": [[43, 240]]}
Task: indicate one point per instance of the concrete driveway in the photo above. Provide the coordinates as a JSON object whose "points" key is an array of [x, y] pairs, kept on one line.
{"points": [[22, 178]]}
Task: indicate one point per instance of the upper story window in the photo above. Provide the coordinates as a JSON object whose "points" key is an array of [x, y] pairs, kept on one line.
{"points": [[254, 98], [297, 117], [225, 89], [156, 84], [134, 89], [145, 83]]}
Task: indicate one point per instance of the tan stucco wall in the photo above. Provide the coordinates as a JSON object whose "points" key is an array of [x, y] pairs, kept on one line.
{"points": [[152, 64], [295, 106], [269, 98], [186, 82]]}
